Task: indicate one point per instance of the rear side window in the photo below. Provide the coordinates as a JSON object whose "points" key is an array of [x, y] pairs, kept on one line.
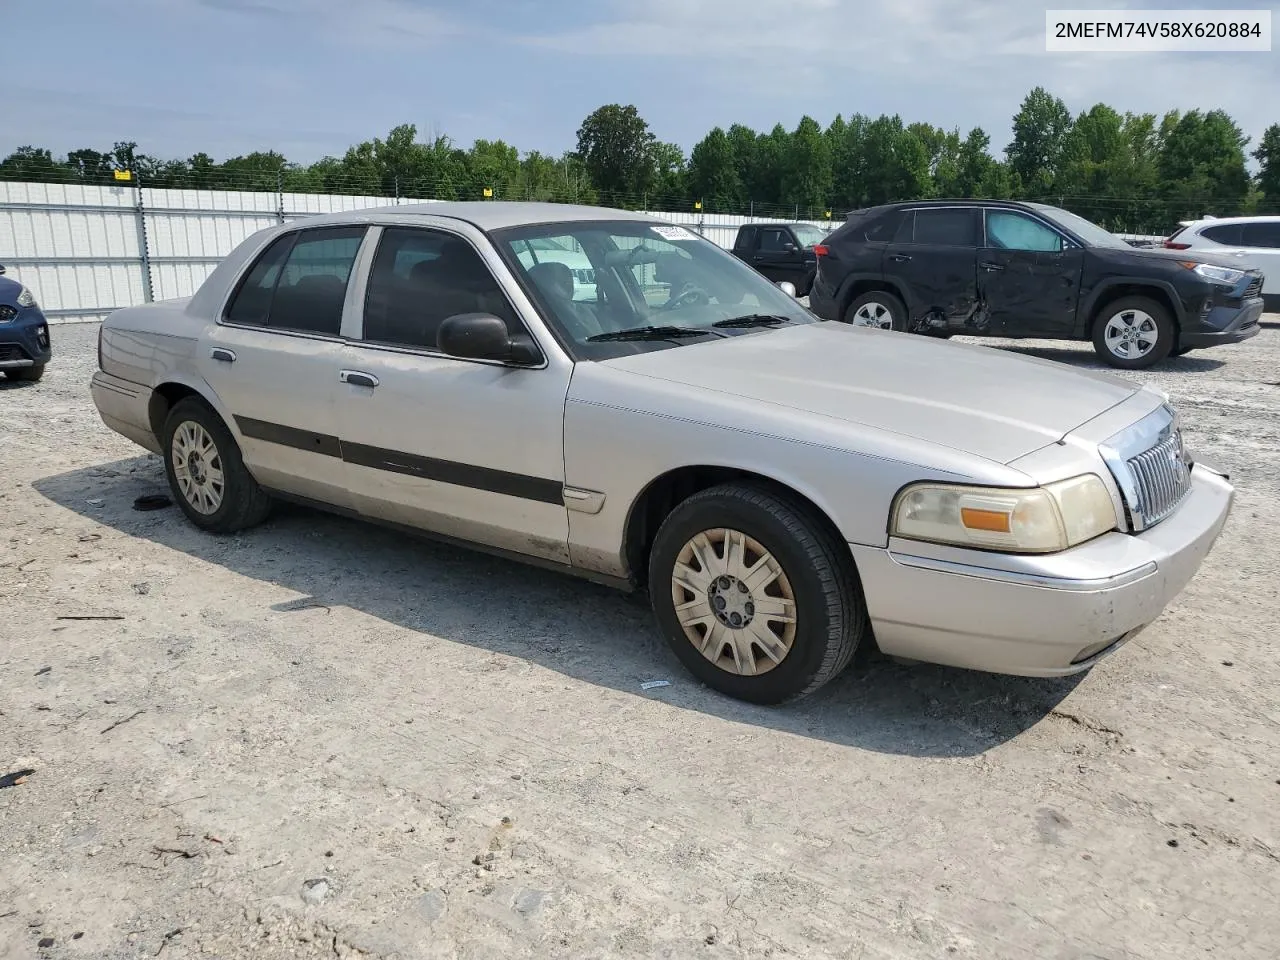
{"points": [[1266, 235], [883, 229], [1228, 233], [944, 228], [300, 282]]}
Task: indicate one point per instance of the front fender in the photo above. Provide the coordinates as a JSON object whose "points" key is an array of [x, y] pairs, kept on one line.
{"points": [[1098, 293]]}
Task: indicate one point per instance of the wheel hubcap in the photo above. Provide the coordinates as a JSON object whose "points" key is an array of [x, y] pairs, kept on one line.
{"points": [[197, 466], [1131, 334], [734, 602], [873, 314]]}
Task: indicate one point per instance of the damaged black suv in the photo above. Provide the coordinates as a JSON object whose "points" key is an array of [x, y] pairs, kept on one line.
{"points": [[1029, 270]]}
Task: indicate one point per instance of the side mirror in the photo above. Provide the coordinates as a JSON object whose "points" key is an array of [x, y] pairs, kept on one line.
{"points": [[789, 247], [1, 269], [482, 336], [787, 287]]}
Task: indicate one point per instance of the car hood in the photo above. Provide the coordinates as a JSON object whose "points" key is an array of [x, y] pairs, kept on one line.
{"points": [[980, 400], [9, 290]]}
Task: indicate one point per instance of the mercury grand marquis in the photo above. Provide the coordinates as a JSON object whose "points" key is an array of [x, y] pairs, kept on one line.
{"points": [[785, 489]]}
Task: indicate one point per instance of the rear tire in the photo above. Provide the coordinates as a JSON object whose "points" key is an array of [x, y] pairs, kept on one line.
{"points": [[206, 472], [757, 598], [878, 308], [26, 374], [1133, 333]]}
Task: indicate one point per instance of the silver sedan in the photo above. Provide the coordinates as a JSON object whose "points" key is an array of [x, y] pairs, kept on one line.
{"points": [[786, 490]]}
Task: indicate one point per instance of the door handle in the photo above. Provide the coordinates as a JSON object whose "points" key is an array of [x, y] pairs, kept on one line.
{"points": [[358, 378], [991, 267], [899, 257], [223, 354]]}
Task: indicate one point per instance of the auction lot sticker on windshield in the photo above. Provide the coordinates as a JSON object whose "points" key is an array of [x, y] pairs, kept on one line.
{"points": [[674, 233]]}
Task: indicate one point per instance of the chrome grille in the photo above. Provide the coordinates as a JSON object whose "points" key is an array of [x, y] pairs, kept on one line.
{"points": [[1161, 478]]}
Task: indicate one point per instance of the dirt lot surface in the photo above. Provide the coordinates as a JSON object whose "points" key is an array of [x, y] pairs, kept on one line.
{"points": [[322, 739]]}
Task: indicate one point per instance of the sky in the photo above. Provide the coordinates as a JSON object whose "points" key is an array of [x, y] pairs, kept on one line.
{"points": [[310, 77]]}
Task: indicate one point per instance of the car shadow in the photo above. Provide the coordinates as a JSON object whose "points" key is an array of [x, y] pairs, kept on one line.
{"points": [[579, 629], [1085, 358], [7, 384]]}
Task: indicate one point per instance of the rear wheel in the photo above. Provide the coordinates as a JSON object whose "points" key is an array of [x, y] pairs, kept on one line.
{"points": [[1133, 333], [878, 308], [755, 596], [206, 473], [26, 374]]}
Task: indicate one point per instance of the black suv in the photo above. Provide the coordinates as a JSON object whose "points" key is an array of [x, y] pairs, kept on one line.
{"points": [[780, 251], [1005, 269]]}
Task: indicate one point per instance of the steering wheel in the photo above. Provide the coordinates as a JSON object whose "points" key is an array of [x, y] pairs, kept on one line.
{"points": [[687, 297]]}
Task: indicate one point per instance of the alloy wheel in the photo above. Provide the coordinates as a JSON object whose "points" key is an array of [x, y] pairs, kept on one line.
{"points": [[197, 466]]}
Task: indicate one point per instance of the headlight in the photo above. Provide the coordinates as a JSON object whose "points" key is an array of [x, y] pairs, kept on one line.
{"points": [[1217, 274], [1036, 520], [26, 298]]}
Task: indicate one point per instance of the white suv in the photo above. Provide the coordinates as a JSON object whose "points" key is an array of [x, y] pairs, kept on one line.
{"points": [[1255, 240]]}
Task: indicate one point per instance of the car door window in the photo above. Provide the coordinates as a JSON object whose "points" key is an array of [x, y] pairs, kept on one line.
{"points": [[299, 283], [774, 241], [1228, 233], [421, 277], [1007, 230], [946, 228], [1263, 235]]}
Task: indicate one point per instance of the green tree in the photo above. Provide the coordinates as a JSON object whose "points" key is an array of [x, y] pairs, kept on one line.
{"points": [[806, 177], [672, 174], [896, 162], [1267, 153], [1201, 166], [617, 148], [713, 172], [32, 163], [1040, 130]]}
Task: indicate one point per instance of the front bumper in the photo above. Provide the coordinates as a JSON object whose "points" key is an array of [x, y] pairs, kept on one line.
{"points": [[1043, 616], [24, 340], [1224, 323]]}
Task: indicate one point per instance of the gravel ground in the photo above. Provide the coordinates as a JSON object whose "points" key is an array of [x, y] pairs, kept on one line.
{"points": [[322, 739]]}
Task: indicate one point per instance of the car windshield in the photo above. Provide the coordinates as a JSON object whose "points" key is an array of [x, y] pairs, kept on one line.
{"points": [[653, 287], [808, 234], [1089, 232]]}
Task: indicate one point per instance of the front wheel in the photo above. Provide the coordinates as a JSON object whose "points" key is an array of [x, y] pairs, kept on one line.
{"points": [[1133, 333], [877, 309], [756, 598], [206, 473]]}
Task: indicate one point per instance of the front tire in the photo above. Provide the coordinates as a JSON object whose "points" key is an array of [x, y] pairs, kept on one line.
{"points": [[26, 374], [1133, 333], [877, 308], [206, 473], [755, 596]]}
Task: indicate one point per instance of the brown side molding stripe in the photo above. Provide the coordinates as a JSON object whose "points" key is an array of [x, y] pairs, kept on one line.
{"points": [[519, 485]]}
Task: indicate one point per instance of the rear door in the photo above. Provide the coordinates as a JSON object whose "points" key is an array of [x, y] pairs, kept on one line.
{"points": [[1262, 242], [933, 259], [1028, 276], [274, 356]]}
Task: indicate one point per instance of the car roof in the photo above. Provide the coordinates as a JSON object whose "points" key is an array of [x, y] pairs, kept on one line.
{"points": [[486, 214], [1214, 221]]}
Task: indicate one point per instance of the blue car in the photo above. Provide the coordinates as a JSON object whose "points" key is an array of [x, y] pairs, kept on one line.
{"points": [[24, 333]]}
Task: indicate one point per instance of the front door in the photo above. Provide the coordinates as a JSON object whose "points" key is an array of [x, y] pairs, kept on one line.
{"points": [[777, 256], [274, 356], [467, 449], [933, 261], [1028, 277]]}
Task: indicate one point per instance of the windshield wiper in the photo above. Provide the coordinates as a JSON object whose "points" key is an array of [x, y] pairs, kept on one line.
{"points": [[650, 333], [753, 320]]}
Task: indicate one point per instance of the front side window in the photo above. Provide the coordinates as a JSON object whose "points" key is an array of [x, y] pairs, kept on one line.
{"points": [[1013, 231], [774, 241], [421, 277], [299, 283], [655, 287], [1265, 235]]}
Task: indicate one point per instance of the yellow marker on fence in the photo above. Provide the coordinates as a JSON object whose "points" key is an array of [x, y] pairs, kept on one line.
{"points": [[488, 192], [697, 204], [124, 174]]}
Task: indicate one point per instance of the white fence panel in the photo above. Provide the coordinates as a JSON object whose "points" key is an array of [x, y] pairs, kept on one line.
{"points": [[88, 250]]}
